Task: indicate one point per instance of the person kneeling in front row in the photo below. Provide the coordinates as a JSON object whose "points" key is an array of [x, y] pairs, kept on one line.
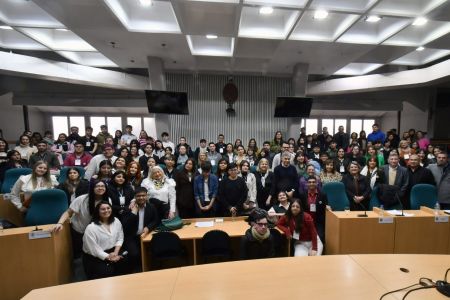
{"points": [[257, 241], [299, 227], [141, 219], [102, 242]]}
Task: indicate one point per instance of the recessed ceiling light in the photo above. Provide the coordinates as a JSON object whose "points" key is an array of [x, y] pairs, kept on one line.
{"points": [[320, 14], [373, 19], [146, 3], [420, 48], [266, 10], [420, 21], [62, 29], [6, 27], [211, 36]]}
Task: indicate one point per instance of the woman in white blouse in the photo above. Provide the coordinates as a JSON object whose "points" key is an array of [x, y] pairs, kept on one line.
{"points": [[161, 192], [39, 179], [250, 180], [102, 241]]}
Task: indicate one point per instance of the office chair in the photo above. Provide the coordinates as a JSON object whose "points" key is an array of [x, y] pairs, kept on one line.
{"points": [[423, 195], [166, 250], [11, 177], [63, 173], [278, 240], [337, 197], [46, 207], [216, 246]]}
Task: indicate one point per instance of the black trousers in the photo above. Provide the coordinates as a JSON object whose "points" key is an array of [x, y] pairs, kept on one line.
{"points": [[96, 268], [77, 243], [133, 245]]}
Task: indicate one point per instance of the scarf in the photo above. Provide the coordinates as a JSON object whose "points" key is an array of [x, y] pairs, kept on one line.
{"points": [[158, 184], [260, 237], [263, 178]]}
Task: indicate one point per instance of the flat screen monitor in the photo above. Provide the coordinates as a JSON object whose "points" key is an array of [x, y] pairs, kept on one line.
{"points": [[164, 102], [293, 107]]}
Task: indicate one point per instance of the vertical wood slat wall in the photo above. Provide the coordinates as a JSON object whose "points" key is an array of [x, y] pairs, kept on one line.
{"points": [[207, 110]]}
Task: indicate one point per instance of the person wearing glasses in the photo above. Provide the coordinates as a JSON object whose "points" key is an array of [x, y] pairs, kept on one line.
{"points": [[257, 241]]}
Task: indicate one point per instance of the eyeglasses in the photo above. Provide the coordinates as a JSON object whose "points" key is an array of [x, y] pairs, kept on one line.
{"points": [[262, 224]]}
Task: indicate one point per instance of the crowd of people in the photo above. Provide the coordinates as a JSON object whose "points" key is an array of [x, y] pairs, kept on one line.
{"points": [[120, 187]]}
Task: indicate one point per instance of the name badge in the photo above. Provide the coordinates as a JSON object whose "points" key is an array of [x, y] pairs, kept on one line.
{"points": [[122, 200], [312, 207], [441, 219], [213, 162], [296, 235], [341, 169], [385, 220], [221, 150], [308, 146], [88, 144], [77, 162], [406, 156]]}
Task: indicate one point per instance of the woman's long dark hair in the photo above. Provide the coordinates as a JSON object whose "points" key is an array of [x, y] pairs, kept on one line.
{"points": [[96, 214], [299, 218], [113, 181], [220, 172], [91, 194], [68, 185]]}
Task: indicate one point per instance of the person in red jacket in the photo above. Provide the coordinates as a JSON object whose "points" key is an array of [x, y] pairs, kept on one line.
{"points": [[299, 226]]}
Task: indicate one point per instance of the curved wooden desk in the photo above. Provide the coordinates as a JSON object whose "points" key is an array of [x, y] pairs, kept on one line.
{"points": [[326, 277]]}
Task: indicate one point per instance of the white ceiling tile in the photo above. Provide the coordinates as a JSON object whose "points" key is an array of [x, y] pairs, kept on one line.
{"points": [[274, 26], [328, 29], [157, 18], [343, 5], [210, 63], [278, 3], [200, 45], [419, 35], [357, 69], [416, 58], [26, 13], [11, 39], [93, 59], [57, 40], [408, 8], [364, 32]]}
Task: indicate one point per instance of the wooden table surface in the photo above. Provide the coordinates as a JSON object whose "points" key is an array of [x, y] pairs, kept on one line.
{"points": [[325, 277]]}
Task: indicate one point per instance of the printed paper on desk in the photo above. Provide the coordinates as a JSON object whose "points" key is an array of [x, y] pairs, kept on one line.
{"points": [[204, 224], [396, 212]]}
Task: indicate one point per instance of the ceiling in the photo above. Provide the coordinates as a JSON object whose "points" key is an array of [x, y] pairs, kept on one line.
{"points": [[123, 33]]}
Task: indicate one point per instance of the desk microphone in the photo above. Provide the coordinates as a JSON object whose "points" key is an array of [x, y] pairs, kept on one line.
{"points": [[365, 211]]}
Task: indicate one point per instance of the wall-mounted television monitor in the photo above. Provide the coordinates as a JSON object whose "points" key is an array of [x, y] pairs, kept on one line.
{"points": [[293, 107], [164, 102]]}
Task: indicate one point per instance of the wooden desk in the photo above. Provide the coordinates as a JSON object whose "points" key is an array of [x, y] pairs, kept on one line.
{"points": [[190, 236], [420, 234], [29, 264], [385, 269], [326, 277], [346, 233], [9, 211]]}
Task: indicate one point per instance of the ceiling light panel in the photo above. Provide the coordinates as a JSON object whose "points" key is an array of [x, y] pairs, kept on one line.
{"points": [[278, 3], [217, 1], [57, 40], [355, 69], [157, 18], [373, 33], [407, 8], [358, 6], [274, 26], [202, 46], [419, 35], [27, 14], [11, 39], [327, 30], [93, 59], [417, 58]]}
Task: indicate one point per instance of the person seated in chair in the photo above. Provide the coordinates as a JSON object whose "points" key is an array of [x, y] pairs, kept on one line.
{"points": [[139, 220], [257, 241]]}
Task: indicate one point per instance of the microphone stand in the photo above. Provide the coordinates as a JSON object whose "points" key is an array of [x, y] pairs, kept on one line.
{"points": [[400, 202], [365, 211]]}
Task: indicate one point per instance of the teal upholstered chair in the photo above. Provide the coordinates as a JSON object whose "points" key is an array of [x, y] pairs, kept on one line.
{"points": [[63, 173], [46, 207], [337, 197], [423, 195], [11, 177], [374, 201]]}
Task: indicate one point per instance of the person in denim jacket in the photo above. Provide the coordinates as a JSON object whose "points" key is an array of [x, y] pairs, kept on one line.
{"points": [[205, 192]]}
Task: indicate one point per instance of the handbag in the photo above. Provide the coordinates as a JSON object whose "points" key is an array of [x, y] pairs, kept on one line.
{"points": [[170, 224]]}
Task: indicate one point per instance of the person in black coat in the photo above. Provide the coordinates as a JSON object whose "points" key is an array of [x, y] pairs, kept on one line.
{"points": [[315, 203], [264, 179], [341, 162], [74, 185], [232, 192], [120, 192], [132, 222], [14, 160], [357, 187], [285, 177], [257, 241]]}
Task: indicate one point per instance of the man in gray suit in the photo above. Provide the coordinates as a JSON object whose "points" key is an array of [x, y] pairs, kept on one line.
{"points": [[394, 174], [441, 173]]}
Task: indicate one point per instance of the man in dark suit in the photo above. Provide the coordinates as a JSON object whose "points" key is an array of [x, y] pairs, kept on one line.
{"points": [[138, 221], [396, 175], [342, 139]]}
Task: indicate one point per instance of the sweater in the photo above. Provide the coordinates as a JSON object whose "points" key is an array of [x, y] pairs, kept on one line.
{"points": [[308, 232]]}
